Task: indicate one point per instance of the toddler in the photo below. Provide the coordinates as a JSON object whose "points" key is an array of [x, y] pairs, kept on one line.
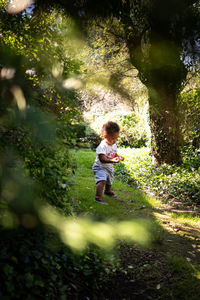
{"points": [[106, 156]]}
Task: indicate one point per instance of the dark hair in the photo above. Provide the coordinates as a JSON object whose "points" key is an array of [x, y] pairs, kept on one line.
{"points": [[110, 128]]}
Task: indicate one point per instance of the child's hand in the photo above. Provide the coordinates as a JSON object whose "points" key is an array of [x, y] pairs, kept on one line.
{"points": [[115, 159], [121, 158]]}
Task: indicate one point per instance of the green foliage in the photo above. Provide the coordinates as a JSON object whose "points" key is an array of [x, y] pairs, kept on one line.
{"points": [[189, 103], [133, 129], [155, 35], [37, 116], [35, 263], [52, 168], [191, 158], [181, 182], [86, 137], [111, 57], [133, 134], [37, 112], [36, 60]]}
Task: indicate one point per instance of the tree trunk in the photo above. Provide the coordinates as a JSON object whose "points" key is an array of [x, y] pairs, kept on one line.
{"points": [[162, 72], [166, 134]]}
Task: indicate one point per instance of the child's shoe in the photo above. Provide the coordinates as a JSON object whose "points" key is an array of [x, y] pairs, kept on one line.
{"points": [[110, 193], [100, 200]]}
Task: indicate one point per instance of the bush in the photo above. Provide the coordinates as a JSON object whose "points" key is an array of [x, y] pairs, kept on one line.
{"points": [[35, 163], [35, 264], [49, 165], [85, 136], [133, 132], [182, 182]]}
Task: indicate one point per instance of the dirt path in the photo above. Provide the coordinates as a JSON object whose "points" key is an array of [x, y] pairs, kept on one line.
{"points": [[170, 269]]}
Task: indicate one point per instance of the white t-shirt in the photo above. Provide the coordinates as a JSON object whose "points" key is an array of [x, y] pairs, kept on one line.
{"points": [[109, 152]]}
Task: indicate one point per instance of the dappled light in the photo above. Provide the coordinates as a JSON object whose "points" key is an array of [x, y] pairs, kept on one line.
{"points": [[9, 220], [19, 97], [17, 6], [57, 70], [77, 233], [7, 73], [187, 218], [72, 84]]}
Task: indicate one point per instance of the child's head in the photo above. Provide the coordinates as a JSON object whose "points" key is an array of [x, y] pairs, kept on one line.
{"points": [[110, 132]]}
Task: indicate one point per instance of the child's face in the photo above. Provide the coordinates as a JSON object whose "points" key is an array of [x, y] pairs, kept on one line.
{"points": [[111, 138]]}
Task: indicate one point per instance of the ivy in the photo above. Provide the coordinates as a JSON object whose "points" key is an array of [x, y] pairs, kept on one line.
{"points": [[181, 182]]}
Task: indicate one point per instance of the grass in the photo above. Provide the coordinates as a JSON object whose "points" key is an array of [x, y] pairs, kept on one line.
{"points": [[186, 219], [165, 269], [131, 202], [132, 198]]}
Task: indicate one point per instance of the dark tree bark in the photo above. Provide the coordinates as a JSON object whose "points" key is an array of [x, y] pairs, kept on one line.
{"points": [[165, 129], [163, 73], [155, 46]]}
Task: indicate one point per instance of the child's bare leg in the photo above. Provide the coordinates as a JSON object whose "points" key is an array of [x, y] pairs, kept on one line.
{"points": [[108, 190], [99, 191], [99, 188]]}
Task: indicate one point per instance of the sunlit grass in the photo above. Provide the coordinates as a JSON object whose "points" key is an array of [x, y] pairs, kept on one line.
{"points": [[130, 217], [186, 219], [132, 198], [129, 212]]}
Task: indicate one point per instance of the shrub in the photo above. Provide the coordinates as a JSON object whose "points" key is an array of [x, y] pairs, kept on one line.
{"points": [[85, 136], [35, 264], [133, 129], [49, 165], [182, 182]]}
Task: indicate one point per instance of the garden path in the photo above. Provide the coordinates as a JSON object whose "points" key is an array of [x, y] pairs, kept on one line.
{"points": [[170, 267]]}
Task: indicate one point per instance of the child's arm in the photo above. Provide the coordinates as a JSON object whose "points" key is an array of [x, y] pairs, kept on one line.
{"points": [[104, 159]]}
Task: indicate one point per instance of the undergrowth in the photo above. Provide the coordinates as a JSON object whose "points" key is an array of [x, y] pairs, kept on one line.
{"points": [[167, 181], [35, 264]]}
